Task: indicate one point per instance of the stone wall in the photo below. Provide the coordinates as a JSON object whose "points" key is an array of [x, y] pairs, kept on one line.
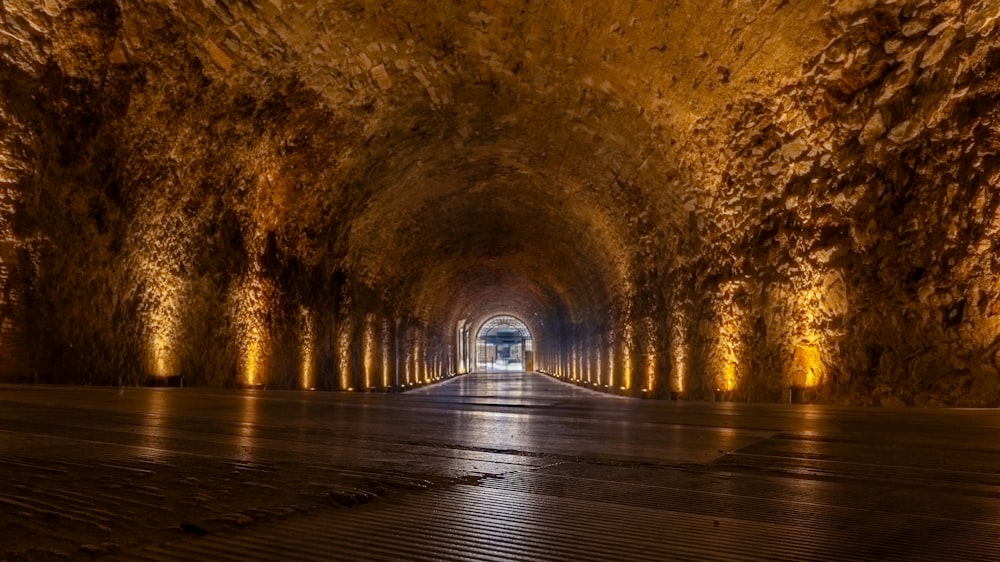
{"points": [[699, 200]]}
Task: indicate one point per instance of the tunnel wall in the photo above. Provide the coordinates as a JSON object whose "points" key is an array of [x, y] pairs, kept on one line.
{"points": [[846, 244], [836, 238]]}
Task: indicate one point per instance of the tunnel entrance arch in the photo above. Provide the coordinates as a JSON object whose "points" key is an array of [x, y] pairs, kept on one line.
{"points": [[504, 343]]}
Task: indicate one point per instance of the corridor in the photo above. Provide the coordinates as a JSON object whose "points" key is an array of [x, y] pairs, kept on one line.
{"points": [[496, 466]]}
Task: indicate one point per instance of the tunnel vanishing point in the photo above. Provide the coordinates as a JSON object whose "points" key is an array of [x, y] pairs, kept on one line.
{"points": [[738, 200]]}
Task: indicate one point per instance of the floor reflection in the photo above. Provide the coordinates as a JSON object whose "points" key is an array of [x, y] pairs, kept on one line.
{"points": [[154, 428], [246, 428]]}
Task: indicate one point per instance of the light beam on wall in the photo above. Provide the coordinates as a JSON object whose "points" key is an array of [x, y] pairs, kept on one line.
{"points": [[306, 345], [252, 300], [344, 333], [807, 366], [651, 355], [384, 336], [627, 360], [729, 352], [679, 353], [611, 360], [161, 309], [368, 351]]}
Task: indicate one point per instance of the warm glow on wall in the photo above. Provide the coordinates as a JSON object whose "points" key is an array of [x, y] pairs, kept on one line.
{"points": [[306, 347], [368, 351], [803, 322], [162, 311], [251, 360], [418, 362], [611, 360], [728, 382], [598, 366], [162, 327], [651, 355], [344, 353], [407, 368], [807, 366], [384, 336], [627, 361], [729, 351], [252, 299], [679, 352]]}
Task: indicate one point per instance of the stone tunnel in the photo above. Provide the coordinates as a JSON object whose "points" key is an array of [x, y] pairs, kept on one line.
{"points": [[752, 201]]}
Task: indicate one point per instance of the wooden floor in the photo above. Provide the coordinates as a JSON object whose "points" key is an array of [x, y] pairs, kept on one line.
{"points": [[487, 467]]}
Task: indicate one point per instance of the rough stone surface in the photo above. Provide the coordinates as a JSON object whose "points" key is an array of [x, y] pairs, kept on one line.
{"points": [[688, 197]]}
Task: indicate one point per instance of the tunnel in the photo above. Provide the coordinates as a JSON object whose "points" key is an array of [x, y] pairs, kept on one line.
{"points": [[740, 201], [504, 343], [483, 280]]}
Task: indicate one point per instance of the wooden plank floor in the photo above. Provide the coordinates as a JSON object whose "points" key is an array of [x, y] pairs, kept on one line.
{"points": [[487, 467]]}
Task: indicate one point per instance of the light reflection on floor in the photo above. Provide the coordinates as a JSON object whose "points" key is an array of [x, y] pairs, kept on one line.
{"points": [[522, 467]]}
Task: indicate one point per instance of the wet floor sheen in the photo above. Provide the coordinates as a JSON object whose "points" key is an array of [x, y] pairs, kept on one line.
{"points": [[487, 467]]}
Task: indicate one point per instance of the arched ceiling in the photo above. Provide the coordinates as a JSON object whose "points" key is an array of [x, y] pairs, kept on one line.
{"points": [[471, 155], [249, 170]]}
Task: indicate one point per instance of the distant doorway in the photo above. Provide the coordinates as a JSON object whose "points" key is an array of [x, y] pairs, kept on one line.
{"points": [[504, 343]]}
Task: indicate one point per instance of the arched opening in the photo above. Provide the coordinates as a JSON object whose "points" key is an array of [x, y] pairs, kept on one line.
{"points": [[504, 343]]}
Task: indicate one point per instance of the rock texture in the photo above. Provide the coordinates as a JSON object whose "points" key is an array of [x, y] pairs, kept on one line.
{"points": [[693, 199]]}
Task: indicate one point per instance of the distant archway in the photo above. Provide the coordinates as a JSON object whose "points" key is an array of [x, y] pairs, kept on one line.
{"points": [[504, 343]]}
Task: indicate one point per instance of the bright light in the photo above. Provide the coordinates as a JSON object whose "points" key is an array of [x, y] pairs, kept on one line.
{"points": [[251, 301], [368, 350], [306, 345], [627, 366], [679, 352], [651, 354], [162, 309], [344, 353], [589, 366], [807, 366], [598, 366], [729, 377], [251, 358], [729, 348], [611, 365], [418, 360], [386, 367]]}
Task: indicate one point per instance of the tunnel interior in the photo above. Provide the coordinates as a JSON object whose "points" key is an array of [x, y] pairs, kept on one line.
{"points": [[694, 200], [504, 343]]}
